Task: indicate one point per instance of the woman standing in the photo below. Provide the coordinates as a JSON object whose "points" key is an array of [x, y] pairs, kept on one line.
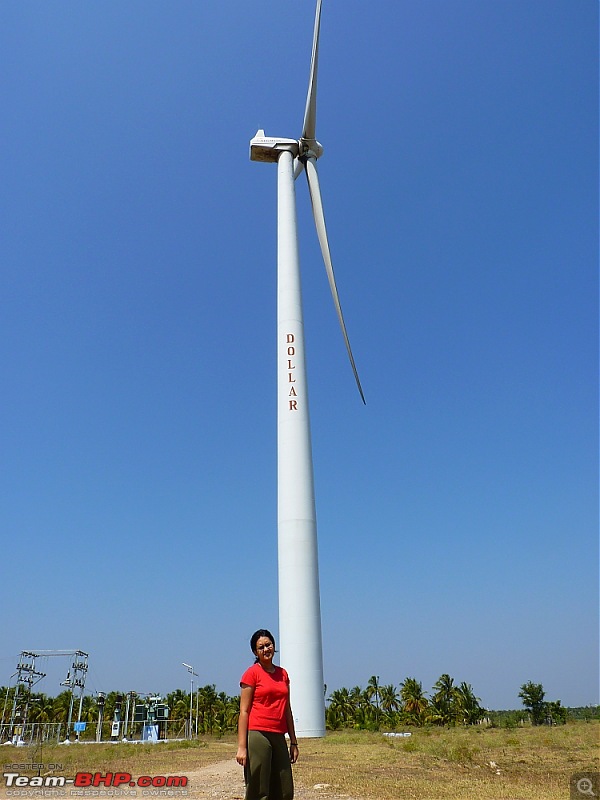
{"points": [[265, 718]]}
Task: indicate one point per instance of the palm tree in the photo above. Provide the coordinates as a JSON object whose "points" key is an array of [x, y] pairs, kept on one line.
{"points": [[333, 718], [468, 705], [41, 709], [371, 691], [7, 694], [361, 714], [225, 712], [232, 712], [207, 707], [341, 708], [89, 709], [179, 704], [469, 710], [414, 701], [35, 709], [444, 701], [390, 704], [60, 706]]}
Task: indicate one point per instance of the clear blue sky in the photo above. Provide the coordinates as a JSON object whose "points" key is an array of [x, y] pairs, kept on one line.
{"points": [[457, 511]]}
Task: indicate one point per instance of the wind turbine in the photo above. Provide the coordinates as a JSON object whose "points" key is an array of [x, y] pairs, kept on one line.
{"points": [[299, 598]]}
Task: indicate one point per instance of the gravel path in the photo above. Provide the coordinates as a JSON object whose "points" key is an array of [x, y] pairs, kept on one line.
{"points": [[224, 781]]}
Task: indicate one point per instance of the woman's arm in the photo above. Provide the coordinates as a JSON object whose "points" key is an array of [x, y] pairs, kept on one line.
{"points": [[289, 718], [246, 697]]}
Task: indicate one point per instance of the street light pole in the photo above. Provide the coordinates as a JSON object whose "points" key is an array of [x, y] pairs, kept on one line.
{"points": [[190, 669]]}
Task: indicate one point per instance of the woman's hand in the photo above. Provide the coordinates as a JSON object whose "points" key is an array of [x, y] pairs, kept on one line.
{"points": [[242, 756], [294, 753]]}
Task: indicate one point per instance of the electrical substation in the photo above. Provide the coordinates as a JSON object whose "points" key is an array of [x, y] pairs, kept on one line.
{"points": [[134, 716], [14, 728]]}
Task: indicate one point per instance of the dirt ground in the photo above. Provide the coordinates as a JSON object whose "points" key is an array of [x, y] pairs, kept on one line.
{"points": [[224, 781]]}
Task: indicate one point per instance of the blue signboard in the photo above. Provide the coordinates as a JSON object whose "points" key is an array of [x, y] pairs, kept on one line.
{"points": [[79, 727]]}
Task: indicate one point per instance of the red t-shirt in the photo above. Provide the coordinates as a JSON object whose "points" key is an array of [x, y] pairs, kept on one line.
{"points": [[271, 694]]}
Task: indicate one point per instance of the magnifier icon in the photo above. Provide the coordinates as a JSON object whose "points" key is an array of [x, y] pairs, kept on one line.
{"points": [[586, 787]]}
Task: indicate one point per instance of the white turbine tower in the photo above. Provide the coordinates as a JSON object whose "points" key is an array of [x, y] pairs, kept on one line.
{"points": [[299, 601]]}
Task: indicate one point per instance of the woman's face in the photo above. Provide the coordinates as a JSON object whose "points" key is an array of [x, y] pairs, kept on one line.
{"points": [[265, 651]]}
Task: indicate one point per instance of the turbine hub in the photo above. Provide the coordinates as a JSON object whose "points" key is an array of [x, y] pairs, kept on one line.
{"points": [[309, 148]]}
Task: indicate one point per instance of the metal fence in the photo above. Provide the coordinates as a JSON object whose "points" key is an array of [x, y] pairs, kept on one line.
{"points": [[32, 732], [56, 732]]}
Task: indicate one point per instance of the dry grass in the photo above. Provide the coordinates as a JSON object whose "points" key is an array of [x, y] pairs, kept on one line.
{"points": [[433, 764], [164, 758], [457, 764]]}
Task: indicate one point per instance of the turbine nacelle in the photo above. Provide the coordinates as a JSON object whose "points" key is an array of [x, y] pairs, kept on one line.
{"points": [[268, 148]]}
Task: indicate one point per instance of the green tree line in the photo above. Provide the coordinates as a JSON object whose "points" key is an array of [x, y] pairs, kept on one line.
{"points": [[215, 712], [380, 707], [374, 707]]}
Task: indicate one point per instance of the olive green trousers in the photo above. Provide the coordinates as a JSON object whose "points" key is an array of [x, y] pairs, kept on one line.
{"points": [[268, 774]]}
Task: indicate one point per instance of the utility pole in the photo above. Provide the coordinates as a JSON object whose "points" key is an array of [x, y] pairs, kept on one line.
{"points": [[100, 700], [190, 669]]}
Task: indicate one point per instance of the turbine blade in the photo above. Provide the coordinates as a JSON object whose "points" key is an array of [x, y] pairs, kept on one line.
{"points": [[310, 112], [317, 206]]}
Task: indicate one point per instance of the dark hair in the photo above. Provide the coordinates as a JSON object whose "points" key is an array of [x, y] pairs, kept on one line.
{"points": [[258, 635]]}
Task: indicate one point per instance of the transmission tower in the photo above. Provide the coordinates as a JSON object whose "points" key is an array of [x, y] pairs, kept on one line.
{"points": [[27, 677], [75, 680]]}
